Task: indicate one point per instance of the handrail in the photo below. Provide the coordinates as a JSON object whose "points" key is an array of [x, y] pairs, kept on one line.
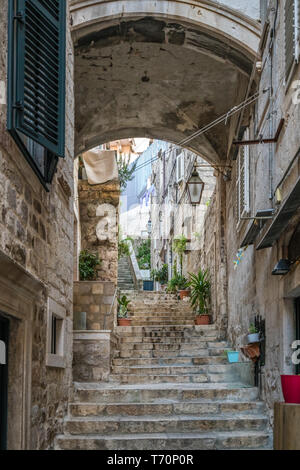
{"points": [[111, 307], [134, 268]]}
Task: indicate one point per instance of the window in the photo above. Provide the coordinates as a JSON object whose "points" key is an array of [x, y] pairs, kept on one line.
{"points": [[292, 35], [180, 167], [36, 82], [55, 335], [243, 181]]}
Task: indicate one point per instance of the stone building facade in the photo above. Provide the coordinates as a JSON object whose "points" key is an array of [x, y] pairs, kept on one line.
{"points": [[235, 51], [99, 217], [171, 212], [36, 276], [270, 189]]}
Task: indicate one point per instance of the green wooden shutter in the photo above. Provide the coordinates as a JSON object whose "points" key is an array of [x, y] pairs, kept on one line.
{"points": [[39, 51]]}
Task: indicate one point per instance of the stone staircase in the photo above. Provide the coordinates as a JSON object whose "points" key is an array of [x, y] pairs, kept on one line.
{"points": [[125, 281], [171, 388]]}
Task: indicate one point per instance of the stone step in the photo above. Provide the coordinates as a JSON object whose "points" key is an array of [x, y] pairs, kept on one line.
{"points": [[172, 335], [171, 441], [176, 369], [163, 318], [112, 393], [169, 353], [202, 342], [169, 345], [184, 332], [161, 323], [201, 329], [163, 424], [172, 378], [165, 409], [169, 361]]}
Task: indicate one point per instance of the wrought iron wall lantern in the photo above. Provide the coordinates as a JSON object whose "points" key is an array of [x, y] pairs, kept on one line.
{"points": [[195, 187]]}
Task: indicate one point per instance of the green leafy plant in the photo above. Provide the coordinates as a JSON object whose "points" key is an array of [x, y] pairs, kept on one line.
{"points": [[160, 275], [179, 246], [123, 248], [200, 292], [177, 283], [123, 306], [144, 255], [88, 263], [126, 170], [252, 329], [182, 283]]}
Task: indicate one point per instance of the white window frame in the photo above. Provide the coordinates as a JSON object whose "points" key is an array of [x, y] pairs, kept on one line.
{"points": [[59, 359], [243, 172], [180, 167], [296, 52]]}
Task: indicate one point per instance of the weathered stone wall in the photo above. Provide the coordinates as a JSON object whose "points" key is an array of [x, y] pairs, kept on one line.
{"points": [[98, 205], [95, 298], [36, 231], [252, 289], [212, 256], [92, 355]]}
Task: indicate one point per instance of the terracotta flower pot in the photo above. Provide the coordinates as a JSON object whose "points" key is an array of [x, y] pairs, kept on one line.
{"points": [[291, 388], [124, 321], [184, 293], [202, 320]]}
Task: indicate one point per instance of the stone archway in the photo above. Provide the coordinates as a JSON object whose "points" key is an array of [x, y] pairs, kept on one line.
{"points": [[161, 70]]}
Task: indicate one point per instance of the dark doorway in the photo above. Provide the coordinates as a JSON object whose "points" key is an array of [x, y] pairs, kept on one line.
{"points": [[297, 312], [4, 335]]}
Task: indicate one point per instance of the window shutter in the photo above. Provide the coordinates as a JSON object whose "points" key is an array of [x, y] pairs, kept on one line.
{"points": [[292, 34], [243, 180], [246, 173], [182, 165], [39, 96], [289, 36]]}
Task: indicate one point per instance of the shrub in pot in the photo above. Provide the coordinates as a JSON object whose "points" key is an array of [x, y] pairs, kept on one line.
{"points": [[160, 275], [200, 296], [182, 285], [253, 336], [291, 388], [179, 284], [123, 319]]}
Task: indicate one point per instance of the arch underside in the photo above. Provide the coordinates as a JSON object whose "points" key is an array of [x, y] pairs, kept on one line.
{"points": [[147, 77]]}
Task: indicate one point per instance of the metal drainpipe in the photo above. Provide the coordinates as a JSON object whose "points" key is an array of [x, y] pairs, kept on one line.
{"points": [[271, 96]]}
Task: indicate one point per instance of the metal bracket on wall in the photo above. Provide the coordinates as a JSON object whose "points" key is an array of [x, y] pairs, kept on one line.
{"points": [[262, 140]]}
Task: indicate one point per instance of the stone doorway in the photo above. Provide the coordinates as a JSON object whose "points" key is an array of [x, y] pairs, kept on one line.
{"points": [[4, 340]]}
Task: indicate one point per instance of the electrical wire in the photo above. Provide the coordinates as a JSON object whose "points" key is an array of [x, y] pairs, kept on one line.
{"points": [[204, 129]]}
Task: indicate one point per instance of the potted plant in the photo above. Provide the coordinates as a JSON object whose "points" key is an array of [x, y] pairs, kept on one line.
{"points": [[179, 247], [200, 296], [232, 356], [160, 275], [123, 319], [182, 285], [291, 388], [253, 336]]}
